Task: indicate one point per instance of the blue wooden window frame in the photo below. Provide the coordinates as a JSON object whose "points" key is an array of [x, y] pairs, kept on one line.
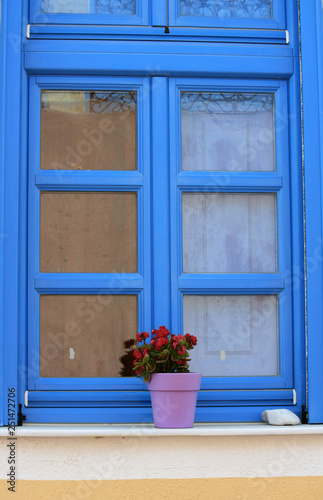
{"points": [[44, 59], [160, 13], [167, 292], [88, 181], [230, 182], [311, 25]]}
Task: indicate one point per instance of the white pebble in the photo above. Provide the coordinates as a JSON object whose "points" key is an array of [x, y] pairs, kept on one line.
{"points": [[280, 417]]}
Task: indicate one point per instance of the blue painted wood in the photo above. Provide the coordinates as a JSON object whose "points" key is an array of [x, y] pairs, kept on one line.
{"points": [[144, 210], [81, 32], [86, 415], [144, 415], [160, 204], [96, 283], [74, 385], [292, 26], [12, 180], [174, 168], [87, 60], [230, 181], [134, 398], [295, 279], [159, 13], [141, 47], [3, 61], [312, 68], [250, 283], [142, 60], [243, 383], [238, 414], [60, 180]]}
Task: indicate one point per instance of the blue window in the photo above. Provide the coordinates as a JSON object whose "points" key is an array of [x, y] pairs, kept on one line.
{"points": [[268, 14], [156, 182]]}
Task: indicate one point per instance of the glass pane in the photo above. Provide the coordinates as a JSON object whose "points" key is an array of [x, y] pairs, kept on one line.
{"points": [[83, 335], [88, 130], [110, 7], [228, 131], [229, 233], [238, 335], [227, 8], [83, 232]]}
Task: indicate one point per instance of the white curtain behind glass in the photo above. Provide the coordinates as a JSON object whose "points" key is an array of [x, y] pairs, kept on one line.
{"points": [[229, 233], [237, 334]]}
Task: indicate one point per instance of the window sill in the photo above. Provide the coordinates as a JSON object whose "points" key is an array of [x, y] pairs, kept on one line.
{"points": [[144, 430]]}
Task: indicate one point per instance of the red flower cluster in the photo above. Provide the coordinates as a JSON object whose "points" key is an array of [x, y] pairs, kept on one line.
{"points": [[166, 353], [142, 336], [190, 339]]}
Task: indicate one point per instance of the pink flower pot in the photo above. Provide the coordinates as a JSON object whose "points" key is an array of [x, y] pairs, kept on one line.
{"points": [[173, 398]]}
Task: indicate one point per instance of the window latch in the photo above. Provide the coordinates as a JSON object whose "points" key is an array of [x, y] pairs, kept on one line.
{"points": [[21, 417], [304, 416]]}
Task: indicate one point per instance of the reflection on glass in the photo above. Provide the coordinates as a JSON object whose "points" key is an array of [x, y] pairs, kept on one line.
{"points": [[238, 334], [127, 358], [229, 233], [88, 232], [227, 8], [83, 335], [92, 130], [228, 131], [109, 7]]}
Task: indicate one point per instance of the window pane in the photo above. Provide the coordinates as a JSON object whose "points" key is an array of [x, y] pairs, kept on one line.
{"points": [[229, 233], [83, 335], [83, 232], [238, 334], [226, 8], [88, 130], [227, 131], [110, 7]]}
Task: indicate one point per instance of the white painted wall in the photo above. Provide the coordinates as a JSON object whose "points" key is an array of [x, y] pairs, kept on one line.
{"points": [[172, 457]]}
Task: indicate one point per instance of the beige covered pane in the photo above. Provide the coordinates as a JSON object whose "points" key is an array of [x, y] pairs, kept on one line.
{"points": [[83, 335], [73, 139], [88, 232]]}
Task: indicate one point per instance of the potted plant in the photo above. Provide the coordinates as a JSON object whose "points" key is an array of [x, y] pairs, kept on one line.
{"points": [[163, 363]]}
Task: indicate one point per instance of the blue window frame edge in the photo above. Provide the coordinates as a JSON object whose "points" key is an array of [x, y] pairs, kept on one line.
{"points": [[158, 13], [13, 184], [312, 68], [14, 85]]}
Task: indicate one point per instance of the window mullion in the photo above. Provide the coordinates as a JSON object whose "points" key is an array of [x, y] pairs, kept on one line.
{"points": [[160, 203]]}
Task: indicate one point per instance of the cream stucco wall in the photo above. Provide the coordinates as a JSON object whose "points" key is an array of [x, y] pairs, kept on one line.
{"points": [[228, 467]]}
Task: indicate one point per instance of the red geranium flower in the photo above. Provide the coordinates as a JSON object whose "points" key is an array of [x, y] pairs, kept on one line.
{"points": [[165, 353]]}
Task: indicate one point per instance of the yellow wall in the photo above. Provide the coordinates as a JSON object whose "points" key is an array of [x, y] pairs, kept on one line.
{"points": [[249, 467], [164, 489]]}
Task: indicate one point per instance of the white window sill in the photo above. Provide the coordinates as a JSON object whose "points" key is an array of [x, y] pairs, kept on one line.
{"points": [[144, 430]]}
